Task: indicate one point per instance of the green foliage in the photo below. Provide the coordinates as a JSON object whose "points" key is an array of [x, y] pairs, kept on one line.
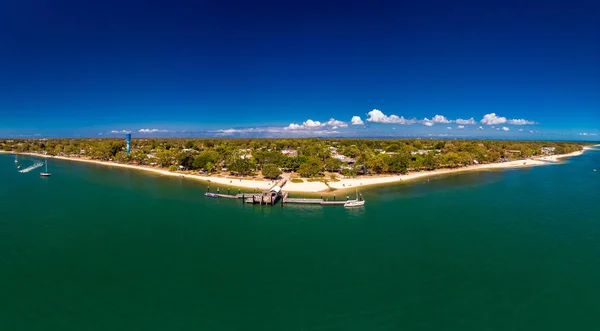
{"points": [[333, 165], [296, 180], [399, 163], [241, 166], [203, 159], [263, 157], [271, 171], [165, 158], [173, 168], [186, 159], [350, 172], [314, 155], [311, 168], [377, 164]]}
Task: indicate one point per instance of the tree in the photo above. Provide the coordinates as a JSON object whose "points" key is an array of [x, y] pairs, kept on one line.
{"points": [[267, 157], [204, 158], [398, 163], [165, 158], [186, 159], [240, 166], [429, 162], [311, 168], [271, 171], [377, 164], [333, 165], [190, 144]]}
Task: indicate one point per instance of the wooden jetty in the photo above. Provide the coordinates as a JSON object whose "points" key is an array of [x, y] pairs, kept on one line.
{"points": [[314, 201], [273, 195]]}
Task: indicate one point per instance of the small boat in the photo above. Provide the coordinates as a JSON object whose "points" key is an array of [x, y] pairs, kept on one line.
{"points": [[354, 203], [46, 173], [16, 158], [358, 202], [211, 195]]}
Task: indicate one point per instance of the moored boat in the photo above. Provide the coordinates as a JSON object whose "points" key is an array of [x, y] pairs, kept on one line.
{"points": [[358, 202], [45, 173], [354, 203]]}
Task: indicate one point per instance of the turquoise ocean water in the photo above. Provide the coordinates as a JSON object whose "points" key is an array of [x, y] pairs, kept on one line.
{"points": [[99, 248]]}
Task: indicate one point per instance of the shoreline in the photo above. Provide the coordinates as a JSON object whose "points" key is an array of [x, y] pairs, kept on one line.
{"points": [[344, 184]]}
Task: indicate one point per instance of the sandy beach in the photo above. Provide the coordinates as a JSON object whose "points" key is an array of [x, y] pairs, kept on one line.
{"points": [[316, 187]]}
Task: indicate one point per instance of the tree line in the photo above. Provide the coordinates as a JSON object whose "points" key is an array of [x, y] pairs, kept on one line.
{"points": [[308, 157]]}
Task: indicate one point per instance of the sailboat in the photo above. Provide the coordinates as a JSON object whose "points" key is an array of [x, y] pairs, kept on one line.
{"points": [[355, 203], [46, 173], [16, 158]]}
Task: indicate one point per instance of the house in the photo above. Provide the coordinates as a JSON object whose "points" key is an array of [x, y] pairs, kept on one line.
{"points": [[421, 152], [344, 158], [290, 152], [548, 150], [245, 153]]}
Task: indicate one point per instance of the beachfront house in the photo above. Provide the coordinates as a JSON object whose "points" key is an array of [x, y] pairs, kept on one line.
{"points": [[548, 150], [344, 159]]}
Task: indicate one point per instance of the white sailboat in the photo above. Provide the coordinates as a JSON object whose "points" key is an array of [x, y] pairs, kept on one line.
{"points": [[358, 202], [46, 173]]}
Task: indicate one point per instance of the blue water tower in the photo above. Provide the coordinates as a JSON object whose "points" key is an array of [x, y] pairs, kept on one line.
{"points": [[128, 139]]}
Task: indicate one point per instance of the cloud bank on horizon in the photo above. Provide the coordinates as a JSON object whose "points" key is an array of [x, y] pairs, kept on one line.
{"points": [[375, 122], [373, 118]]}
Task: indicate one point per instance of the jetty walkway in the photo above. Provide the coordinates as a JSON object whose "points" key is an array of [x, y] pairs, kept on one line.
{"points": [[33, 167]]}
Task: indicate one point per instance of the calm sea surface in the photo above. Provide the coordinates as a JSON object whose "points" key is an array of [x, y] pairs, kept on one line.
{"points": [[97, 248]]}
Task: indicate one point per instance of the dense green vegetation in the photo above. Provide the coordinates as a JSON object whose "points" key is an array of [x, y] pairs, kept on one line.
{"points": [[307, 157]]}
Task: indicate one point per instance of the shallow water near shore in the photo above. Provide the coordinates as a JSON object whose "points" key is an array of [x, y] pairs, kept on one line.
{"points": [[104, 248]]}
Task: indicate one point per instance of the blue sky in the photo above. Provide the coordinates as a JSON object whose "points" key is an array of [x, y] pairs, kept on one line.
{"points": [[519, 69]]}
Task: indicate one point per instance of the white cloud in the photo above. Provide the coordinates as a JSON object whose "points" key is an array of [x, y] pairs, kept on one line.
{"points": [[587, 134], [449, 127], [520, 122], [376, 116], [151, 130], [440, 119], [460, 127], [356, 121], [308, 124], [334, 127], [505, 129], [531, 131], [520, 130], [427, 122], [228, 131], [465, 122], [313, 124], [334, 122], [100, 133], [492, 119], [480, 128], [120, 132]]}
